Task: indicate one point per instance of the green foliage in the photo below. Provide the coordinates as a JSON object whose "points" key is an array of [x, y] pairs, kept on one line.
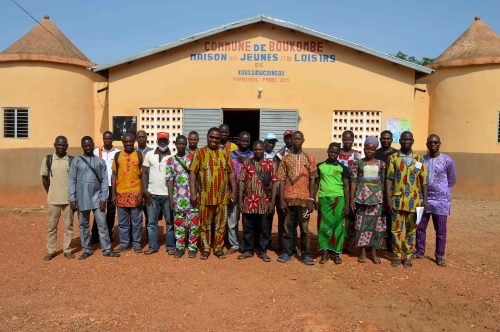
{"points": [[423, 62]]}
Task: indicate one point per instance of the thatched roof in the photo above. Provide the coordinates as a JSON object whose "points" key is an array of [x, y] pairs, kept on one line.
{"points": [[45, 43], [478, 45]]}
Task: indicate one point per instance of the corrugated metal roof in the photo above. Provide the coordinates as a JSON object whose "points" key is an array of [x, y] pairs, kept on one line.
{"points": [[266, 19]]}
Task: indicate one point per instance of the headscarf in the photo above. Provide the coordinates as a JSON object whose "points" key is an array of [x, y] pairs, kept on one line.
{"points": [[371, 140]]}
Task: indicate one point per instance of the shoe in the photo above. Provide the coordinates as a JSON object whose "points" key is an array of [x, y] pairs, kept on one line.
{"points": [[283, 258], [232, 251], [441, 262], [48, 257], [150, 252], [324, 258], [337, 259], [171, 252], [69, 255], [396, 262], [85, 255], [220, 254], [307, 260], [418, 256], [179, 254], [138, 250], [192, 254], [121, 249], [246, 254], [204, 256], [264, 257], [111, 254], [407, 263]]}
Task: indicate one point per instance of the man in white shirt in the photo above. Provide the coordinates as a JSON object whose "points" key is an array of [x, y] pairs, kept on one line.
{"points": [[107, 153], [155, 192]]}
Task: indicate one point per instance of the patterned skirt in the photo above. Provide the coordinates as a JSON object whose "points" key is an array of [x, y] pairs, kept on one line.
{"points": [[332, 228], [369, 226]]}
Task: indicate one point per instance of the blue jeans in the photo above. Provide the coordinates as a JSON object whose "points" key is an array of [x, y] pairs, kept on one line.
{"points": [[130, 221], [83, 224], [160, 203]]}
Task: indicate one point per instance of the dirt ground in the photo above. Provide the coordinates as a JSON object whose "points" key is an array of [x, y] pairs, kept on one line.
{"points": [[160, 293]]}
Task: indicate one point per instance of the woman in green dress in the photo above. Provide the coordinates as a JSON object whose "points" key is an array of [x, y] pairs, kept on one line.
{"points": [[333, 202], [367, 192]]}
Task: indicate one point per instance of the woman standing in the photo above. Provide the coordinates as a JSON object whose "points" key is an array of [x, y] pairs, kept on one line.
{"points": [[333, 201], [367, 192]]}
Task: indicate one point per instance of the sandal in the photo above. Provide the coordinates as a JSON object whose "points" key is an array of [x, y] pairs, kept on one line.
{"points": [[407, 264], [376, 260], [362, 259], [220, 255], [396, 262], [324, 258], [337, 260], [441, 262], [204, 256]]}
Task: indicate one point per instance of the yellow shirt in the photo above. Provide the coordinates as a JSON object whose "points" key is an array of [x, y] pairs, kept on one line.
{"points": [[128, 179]]}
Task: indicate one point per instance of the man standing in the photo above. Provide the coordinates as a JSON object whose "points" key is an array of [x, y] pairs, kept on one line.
{"points": [[406, 188], [54, 172], [383, 153], [193, 140], [269, 144], [297, 174], [287, 139], [186, 218], [155, 192], [224, 139], [107, 153], [127, 193], [142, 140], [88, 191], [237, 156], [257, 193], [442, 177], [213, 168]]}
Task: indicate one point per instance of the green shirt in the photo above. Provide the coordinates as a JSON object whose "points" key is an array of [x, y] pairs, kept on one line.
{"points": [[330, 179]]}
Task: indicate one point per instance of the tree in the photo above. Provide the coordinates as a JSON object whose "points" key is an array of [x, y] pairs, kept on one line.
{"points": [[423, 61]]}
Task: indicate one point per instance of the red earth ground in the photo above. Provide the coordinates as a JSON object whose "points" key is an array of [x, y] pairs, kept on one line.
{"points": [[160, 293]]}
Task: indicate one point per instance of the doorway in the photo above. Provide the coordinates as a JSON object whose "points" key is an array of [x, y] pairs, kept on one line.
{"points": [[239, 120]]}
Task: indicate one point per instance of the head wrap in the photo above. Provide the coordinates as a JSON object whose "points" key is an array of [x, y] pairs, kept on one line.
{"points": [[371, 140]]}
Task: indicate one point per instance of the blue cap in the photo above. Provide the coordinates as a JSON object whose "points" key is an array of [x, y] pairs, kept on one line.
{"points": [[270, 137]]}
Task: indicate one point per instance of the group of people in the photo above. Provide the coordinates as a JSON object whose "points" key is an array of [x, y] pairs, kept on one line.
{"points": [[363, 200]]}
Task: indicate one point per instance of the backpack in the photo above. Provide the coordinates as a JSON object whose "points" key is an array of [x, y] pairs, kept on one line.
{"points": [[139, 156], [48, 162]]}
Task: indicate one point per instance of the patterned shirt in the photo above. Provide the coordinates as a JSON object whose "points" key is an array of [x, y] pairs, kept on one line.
{"points": [[229, 147], [370, 180], [237, 164], [407, 182], [176, 174], [128, 179], [442, 177], [212, 168], [297, 170], [348, 159], [257, 195]]}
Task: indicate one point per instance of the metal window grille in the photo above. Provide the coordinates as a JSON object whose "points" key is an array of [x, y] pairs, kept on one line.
{"points": [[16, 123], [362, 124], [154, 120]]}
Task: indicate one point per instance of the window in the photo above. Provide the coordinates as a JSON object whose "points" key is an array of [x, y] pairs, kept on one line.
{"points": [[362, 124], [154, 120], [16, 123]]}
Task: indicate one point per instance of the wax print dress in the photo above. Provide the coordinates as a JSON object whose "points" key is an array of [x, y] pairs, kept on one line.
{"points": [[331, 201], [369, 225]]}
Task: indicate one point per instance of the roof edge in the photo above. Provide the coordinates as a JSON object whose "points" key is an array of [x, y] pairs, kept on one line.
{"points": [[485, 60], [45, 58], [266, 19]]}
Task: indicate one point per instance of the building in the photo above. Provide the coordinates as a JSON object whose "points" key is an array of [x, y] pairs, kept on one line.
{"points": [[260, 74]]}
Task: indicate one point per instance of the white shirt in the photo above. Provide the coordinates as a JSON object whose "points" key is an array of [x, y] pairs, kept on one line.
{"points": [[108, 157], [157, 184]]}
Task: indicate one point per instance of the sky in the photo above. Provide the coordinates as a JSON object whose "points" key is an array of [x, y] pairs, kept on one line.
{"points": [[108, 30]]}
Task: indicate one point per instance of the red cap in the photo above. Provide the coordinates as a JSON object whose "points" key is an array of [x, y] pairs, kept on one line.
{"points": [[288, 132], [162, 134]]}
